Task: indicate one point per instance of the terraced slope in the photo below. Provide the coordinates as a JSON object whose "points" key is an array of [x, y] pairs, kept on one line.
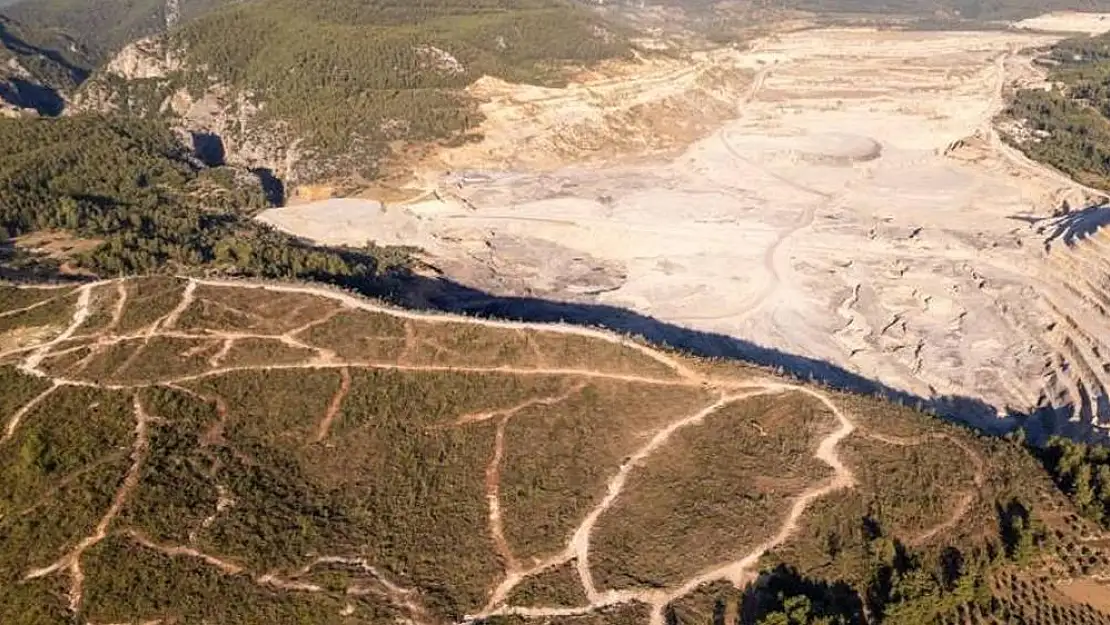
{"points": [[183, 451]]}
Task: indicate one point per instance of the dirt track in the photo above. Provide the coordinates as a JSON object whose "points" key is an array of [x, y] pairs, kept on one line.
{"points": [[577, 547], [860, 211]]}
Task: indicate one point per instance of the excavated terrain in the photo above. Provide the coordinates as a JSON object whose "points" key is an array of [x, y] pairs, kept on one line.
{"points": [[859, 219], [203, 451]]}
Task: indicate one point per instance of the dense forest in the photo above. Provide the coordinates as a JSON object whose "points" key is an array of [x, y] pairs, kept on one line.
{"points": [[1069, 125], [130, 184]]}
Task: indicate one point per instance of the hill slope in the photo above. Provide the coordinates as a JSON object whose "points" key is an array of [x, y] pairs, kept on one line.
{"points": [[196, 451], [317, 90], [38, 67], [141, 203]]}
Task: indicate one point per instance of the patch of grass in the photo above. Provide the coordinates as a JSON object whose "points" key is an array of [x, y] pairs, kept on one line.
{"points": [[911, 488], [360, 336], [63, 360], [40, 601], [633, 613], [387, 484], [46, 528], [59, 473], [579, 352], [13, 297], [70, 429], [126, 582], [176, 490], [467, 344], [712, 493], [19, 388], [149, 299], [248, 310], [163, 358], [56, 312], [558, 459], [280, 409], [258, 352], [883, 417], [149, 361], [102, 305], [559, 586]]}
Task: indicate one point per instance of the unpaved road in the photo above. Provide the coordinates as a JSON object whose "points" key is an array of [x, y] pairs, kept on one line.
{"points": [[577, 548], [859, 211]]}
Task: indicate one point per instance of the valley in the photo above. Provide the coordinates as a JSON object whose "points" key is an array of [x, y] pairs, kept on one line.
{"points": [[861, 209]]}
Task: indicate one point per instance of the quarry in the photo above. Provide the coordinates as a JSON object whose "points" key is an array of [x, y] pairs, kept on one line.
{"points": [[838, 202]]}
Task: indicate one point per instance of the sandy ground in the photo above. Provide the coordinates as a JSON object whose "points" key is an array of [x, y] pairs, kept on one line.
{"points": [[858, 210], [1068, 22]]}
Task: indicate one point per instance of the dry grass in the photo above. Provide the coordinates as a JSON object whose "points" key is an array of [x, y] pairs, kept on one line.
{"points": [[465, 344], [34, 602], [149, 299], [913, 488], [270, 469], [559, 586], [360, 336], [559, 458], [125, 580], [713, 493], [54, 311], [19, 388], [579, 352], [12, 298], [258, 352], [253, 310], [102, 305]]}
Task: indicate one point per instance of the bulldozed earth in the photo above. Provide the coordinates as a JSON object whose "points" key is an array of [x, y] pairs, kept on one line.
{"points": [[835, 196]]}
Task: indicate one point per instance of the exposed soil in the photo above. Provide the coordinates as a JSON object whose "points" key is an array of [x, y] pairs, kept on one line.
{"points": [[859, 210]]}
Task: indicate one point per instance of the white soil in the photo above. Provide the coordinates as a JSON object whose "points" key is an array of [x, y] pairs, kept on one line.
{"points": [[1068, 22], [859, 210]]}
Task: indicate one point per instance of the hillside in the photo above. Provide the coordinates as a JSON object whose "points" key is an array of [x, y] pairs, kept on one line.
{"points": [[324, 89], [105, 26], [38, 68], [122, 196], [1065, 125], [196, 451]]}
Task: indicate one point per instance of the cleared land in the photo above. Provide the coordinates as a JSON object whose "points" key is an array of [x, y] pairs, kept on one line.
{"points": [[859, 210], [181, 483]]}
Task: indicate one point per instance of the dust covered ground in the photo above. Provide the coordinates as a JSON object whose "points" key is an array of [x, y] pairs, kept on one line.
{"points": [[859, 209]]}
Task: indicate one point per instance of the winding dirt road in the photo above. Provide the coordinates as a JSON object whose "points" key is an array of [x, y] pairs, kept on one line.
{"points": [[577, 548]]}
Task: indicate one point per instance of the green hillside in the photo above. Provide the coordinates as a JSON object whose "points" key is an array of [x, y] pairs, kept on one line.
{"points": [[39, 66], [345, 78], [189, 451], [130, 185], [1071, 122], [103, 26]]}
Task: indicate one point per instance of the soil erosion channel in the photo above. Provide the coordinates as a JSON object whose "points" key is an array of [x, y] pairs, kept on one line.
{"points": [[860, 209]]}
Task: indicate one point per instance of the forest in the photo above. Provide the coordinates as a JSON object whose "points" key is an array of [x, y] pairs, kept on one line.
{"points": [[1069, 125], [349, 78], [130, 184]]}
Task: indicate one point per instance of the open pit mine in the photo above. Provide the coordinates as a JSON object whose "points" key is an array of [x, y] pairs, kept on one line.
{"points": [[853, 214]]}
